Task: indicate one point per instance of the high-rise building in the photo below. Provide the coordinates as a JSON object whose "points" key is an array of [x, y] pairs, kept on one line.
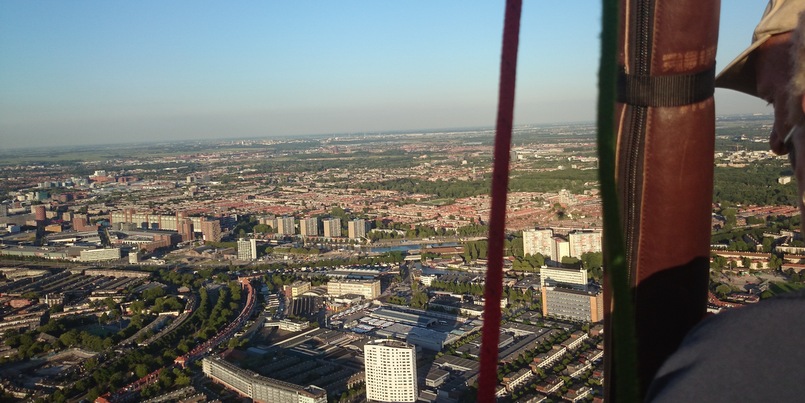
{"points": [[356, 228], [561, 248], [584, 241], [538, 241], [211, 230], [285, 225], [134, 257], [309, 226], [570, 303], [170, 222], [247, 249], [390, 371], [332, 227], [185, 228], [565, 294]]}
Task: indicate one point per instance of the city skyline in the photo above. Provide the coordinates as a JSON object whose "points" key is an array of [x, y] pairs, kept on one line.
{"points": [[91, 72], [124, 272]]}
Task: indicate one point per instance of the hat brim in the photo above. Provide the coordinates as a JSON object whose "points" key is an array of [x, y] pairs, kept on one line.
{"points": [[739, 75]]}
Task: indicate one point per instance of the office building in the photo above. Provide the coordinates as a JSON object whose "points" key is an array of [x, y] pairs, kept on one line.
{"points": [[390, 367], [296, 289], [247, 249], [538, 241], [356, 229], [332, 228], [259, 388], [565, 294], [369, 289], [572, 303], [285, 226], [581, 242], [309, 227], [557, 275]]}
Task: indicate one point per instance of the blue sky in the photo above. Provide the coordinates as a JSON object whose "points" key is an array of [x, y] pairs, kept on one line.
{"points": [[78, 72]]}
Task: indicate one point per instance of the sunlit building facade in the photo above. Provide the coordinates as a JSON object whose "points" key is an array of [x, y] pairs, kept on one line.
{"points": [[538, 241], [332, 228], [390, 371]]}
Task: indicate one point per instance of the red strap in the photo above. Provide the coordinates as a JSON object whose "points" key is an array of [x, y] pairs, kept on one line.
{"points": [[488, 379]]}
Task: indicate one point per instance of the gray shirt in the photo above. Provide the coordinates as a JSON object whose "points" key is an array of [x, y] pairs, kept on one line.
{"points": [[749, 354]]}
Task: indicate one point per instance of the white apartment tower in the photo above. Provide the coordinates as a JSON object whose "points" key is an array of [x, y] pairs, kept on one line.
{"points": [[247, 249], [332, 228], [538, 241], [309, 226], [356, 228], [390, 371], [584, 241], [285, 225], [561, 248]]}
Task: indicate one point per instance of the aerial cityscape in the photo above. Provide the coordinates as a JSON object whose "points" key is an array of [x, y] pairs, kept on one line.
{"points": [[292, 202], [342, 268]]}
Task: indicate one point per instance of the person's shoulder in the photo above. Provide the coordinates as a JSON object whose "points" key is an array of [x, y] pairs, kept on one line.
{"points": [[743, 354], [765, 316]]}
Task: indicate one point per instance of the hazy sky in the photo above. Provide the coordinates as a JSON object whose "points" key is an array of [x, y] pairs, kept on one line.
{"points": [[76, 72]]}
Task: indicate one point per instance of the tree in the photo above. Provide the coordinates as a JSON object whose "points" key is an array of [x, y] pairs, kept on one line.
{"points": [[137, 306], [182, 380], [70, 338], [262, 229], [722, 290], [141, 370], [729, 216], [151, 294], [768, 243], [719, 262], [775, 262], [592, 260]]}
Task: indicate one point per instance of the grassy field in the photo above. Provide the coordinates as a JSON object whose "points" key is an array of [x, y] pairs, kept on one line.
{"points": [[781, 288]]}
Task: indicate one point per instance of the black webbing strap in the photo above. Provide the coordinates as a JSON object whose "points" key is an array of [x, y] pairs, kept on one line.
{"points": [[675, 90]]}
